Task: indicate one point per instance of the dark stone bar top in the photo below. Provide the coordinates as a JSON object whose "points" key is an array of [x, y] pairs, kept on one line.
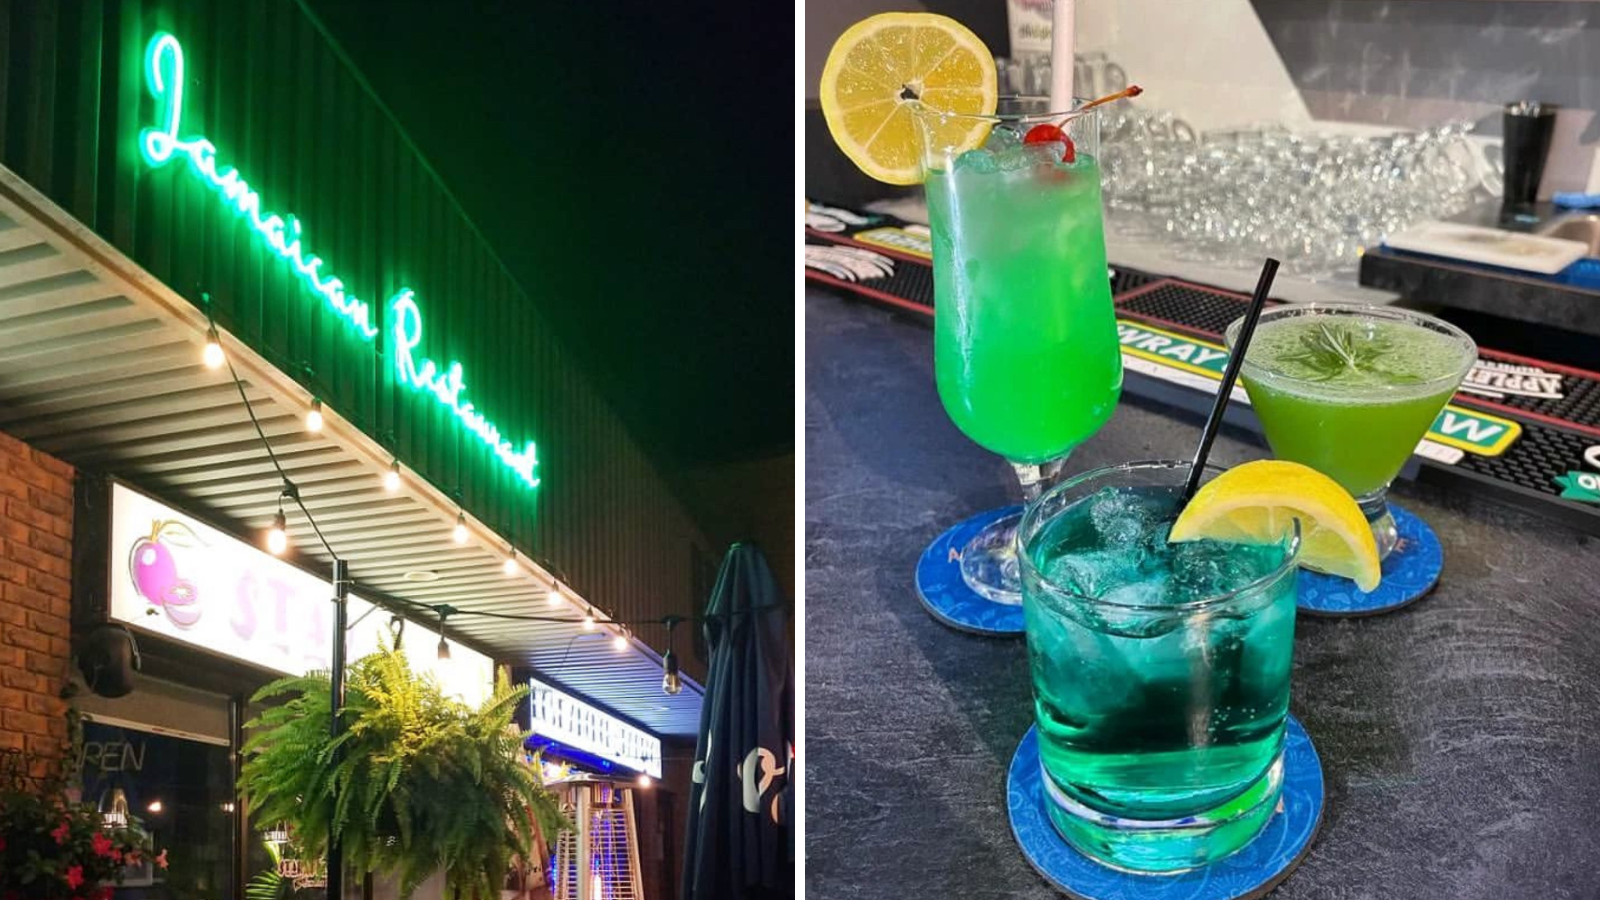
{"points": [[1460, 736]]}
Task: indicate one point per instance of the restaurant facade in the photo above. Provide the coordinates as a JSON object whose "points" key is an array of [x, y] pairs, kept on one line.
{"points": [[182, 176]]}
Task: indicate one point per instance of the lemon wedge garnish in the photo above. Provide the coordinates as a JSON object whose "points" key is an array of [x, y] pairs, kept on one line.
{"points": [[1255, 503]]}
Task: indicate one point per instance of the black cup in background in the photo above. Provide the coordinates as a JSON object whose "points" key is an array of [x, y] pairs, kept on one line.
{"points": [[1527, 130]]}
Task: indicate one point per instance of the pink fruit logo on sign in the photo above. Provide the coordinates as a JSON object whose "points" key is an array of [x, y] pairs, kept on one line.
{"points": [[155, 572]]}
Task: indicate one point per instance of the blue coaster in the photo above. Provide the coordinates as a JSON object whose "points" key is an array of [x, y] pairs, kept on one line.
{"points": [[1249, 873], [946, 595], [1410, 572]]}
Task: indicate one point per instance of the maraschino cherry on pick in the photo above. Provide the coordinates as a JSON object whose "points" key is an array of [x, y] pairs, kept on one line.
{"points": [[1045, 133]]}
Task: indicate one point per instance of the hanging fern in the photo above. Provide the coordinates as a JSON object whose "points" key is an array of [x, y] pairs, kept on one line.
{"points": [[424, 784]]}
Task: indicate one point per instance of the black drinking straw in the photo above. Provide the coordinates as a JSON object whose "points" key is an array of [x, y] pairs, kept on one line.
{"points": [[1229, 375]]}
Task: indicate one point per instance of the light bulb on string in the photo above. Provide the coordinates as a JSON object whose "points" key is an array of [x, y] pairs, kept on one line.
{"points": [[444, 645], [460, 533], [314, 417], [510, 565], [552, 597], [278, 534], [391, 478], [588, 620], [212, 355], [620, 642], [671, 680], [644, 781]]}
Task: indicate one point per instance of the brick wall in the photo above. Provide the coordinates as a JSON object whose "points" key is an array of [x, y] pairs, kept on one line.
{"points": [[35, 598]]}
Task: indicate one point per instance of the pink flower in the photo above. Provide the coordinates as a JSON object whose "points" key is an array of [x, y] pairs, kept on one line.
{"points": [[74, 877], [102, 844], [62, 832], [116, 856], [161, 860]]}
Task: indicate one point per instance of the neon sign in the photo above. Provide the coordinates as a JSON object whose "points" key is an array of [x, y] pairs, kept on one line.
{"points": [[283, 235], [445, 386]]}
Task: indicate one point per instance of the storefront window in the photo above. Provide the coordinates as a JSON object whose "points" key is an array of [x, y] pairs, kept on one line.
{"points": [[181, 791]]}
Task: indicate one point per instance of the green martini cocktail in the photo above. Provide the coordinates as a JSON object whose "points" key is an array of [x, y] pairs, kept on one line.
{"points": [[1349, 390], [1025, 341]]}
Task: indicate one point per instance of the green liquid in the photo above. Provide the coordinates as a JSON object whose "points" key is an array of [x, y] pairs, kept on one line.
{"points": [[1360, 425], [1144, 714], [1025, 339]]}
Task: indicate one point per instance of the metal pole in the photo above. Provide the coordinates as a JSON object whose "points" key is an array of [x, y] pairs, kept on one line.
{"points": [[341, 591]]}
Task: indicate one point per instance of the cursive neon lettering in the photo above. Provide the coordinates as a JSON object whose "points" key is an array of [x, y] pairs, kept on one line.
{"points": [[423, 374], [164, 77], [283, 235]]}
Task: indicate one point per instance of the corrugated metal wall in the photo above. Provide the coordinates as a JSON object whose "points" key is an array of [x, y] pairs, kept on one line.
{"points": [[270, 90]]}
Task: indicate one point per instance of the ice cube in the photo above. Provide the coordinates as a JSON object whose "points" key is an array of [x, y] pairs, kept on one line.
{"points": [[1078, 669], [1090, 573], [1003, 138], [979, 161], [1083, 573], [1137, 593], [1119, 518], [1014, 159], [1046, 153]]}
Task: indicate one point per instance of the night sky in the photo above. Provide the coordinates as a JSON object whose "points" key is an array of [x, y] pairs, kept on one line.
{"points": [[632, 163]]}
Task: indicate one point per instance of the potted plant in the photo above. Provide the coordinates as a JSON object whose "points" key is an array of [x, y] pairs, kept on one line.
{"points": [[54, 847], [424, 783]]}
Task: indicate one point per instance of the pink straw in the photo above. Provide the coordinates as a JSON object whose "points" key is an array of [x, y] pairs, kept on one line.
{"points": [[1062, 61]]}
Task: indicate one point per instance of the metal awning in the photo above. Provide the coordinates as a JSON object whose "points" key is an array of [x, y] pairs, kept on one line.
{"points": [[100, 365]]}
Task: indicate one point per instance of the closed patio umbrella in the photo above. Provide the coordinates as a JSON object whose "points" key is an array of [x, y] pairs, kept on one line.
{"points": [[739, 845]]}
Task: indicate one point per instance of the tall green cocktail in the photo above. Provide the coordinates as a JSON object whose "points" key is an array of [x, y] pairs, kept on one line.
{"points": [[1349, 390], [1025, 339], [1025, 342]]}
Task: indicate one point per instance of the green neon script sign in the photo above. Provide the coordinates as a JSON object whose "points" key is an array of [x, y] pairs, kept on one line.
{"points": [[283, 235]]}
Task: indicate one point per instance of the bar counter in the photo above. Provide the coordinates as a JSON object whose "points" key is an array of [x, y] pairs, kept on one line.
{"points": [[1459, 737]]}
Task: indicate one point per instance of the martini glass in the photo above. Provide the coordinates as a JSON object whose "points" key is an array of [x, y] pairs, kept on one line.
{"points": [[1349, 390], [1025, 341]]}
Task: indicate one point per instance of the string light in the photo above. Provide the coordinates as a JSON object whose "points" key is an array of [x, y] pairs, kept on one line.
{"points": [[461, 528], [553, 596], [391, 478], [671, 680], [510, 565], [278, 534], [588, 619], [444, 646], [212, 355], [620, 642], [314, 417], [645, 781]]}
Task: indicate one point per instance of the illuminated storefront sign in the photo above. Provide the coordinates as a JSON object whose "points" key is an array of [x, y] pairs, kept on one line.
{"points": [[565, 719], [284, 236], [175, 576]]}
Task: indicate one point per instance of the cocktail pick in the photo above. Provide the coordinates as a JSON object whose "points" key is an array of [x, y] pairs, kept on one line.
{"points": [[1132, 90], [1269, 270]]}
